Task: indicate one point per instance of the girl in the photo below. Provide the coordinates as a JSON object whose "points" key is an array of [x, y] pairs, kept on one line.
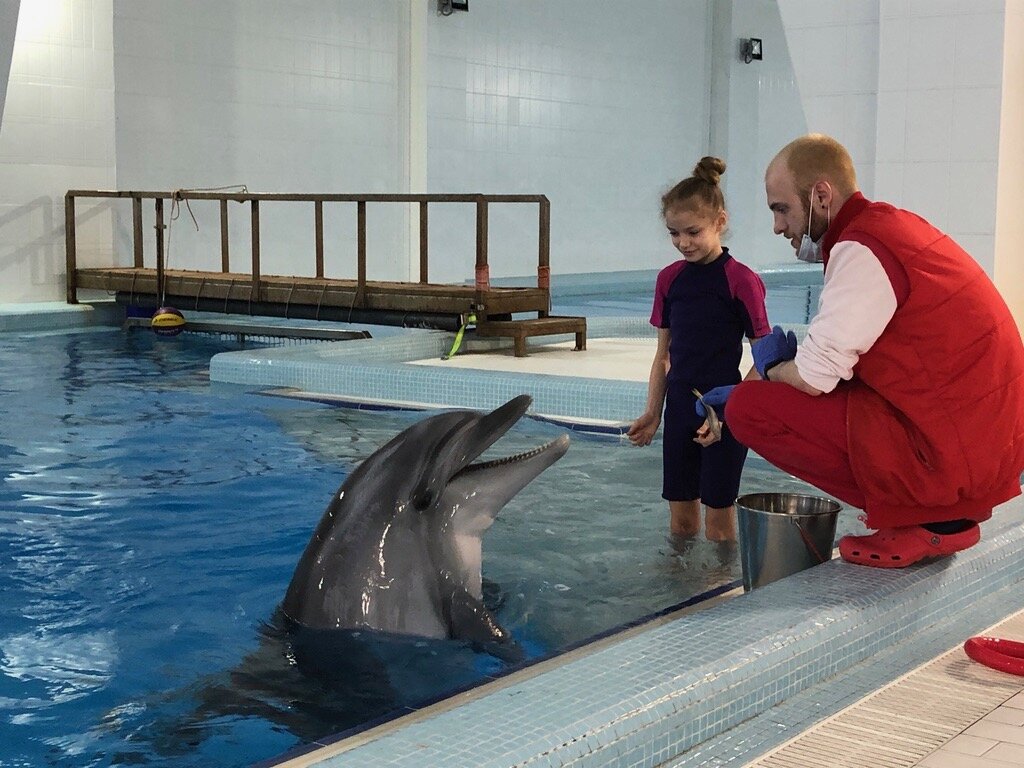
{"points": [[703, 306]]}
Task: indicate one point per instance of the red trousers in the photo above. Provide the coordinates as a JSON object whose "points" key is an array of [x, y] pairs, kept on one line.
{"points": [[806, 436], [801, 434]]}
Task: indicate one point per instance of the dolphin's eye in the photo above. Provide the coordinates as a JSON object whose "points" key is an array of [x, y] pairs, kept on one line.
{"points": [[423, 499]]}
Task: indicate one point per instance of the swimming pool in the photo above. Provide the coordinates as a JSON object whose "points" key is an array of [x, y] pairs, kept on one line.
{"points": [[792, 293], [152, 520]]}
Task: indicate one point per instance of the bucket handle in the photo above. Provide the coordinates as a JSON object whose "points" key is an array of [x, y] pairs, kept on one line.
{"points": [[807, 540]]}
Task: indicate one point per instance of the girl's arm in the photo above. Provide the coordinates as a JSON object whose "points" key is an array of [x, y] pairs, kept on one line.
{"points": [[642, 431], [752, 374]]}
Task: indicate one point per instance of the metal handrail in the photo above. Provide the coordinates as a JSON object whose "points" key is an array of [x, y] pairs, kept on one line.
{"points": [[482, 201]]}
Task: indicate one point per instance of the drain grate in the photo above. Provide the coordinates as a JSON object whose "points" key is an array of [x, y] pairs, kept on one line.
{"points": [[901, 724]]}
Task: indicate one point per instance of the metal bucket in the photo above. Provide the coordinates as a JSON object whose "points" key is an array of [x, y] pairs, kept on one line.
{"points": [[783, 533]]}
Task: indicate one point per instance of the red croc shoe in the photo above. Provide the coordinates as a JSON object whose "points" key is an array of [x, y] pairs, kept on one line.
{"points": [[900, 547]]}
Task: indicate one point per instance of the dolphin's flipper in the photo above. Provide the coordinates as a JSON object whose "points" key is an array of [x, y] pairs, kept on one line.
{"points": [[473, 623]]}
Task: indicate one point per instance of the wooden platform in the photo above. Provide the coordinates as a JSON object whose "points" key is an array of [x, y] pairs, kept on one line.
{"points": [[519, 330], [410, 304], [455, 300], [385, 303]]}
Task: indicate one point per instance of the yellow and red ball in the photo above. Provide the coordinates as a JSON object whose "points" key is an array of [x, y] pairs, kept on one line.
{"points": [[167, 321]]}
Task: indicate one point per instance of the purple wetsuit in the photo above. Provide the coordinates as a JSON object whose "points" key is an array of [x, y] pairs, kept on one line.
{"points": [[708, 309]]}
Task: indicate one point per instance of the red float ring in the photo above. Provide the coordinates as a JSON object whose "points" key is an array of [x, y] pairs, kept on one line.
{"points": [[997, 653]]}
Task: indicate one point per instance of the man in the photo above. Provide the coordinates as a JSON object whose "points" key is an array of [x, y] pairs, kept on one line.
{"points": [[906, 399]]}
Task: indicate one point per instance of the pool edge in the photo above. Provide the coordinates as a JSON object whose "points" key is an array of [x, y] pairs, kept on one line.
{"points": [[658, 695]]}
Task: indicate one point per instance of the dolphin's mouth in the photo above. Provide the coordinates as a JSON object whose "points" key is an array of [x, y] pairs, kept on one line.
{"points": [[559, 443]]}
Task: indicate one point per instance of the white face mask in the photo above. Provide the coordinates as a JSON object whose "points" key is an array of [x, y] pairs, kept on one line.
{"points": [[810, 250]]}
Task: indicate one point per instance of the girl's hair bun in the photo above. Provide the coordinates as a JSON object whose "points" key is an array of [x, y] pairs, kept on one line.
{"points": [[709, 169]]}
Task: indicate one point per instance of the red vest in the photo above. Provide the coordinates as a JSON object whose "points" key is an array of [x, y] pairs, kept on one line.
{"points": [[936, 406]]}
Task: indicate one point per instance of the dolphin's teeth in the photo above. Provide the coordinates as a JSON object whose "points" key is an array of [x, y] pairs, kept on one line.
{"points": [[511, 459]]}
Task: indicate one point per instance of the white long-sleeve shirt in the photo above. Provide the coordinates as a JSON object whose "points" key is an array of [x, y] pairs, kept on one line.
{"points": [[856, 304]]}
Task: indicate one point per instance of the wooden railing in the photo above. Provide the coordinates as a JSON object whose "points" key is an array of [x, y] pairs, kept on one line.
{"points": [[482, 202]]}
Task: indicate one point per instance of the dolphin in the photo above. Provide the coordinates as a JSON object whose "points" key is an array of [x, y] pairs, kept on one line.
{"points": [[398, 550]]}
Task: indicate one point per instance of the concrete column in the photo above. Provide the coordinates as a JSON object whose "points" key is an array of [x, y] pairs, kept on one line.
{"points": [[8, 25], [412, 111]]}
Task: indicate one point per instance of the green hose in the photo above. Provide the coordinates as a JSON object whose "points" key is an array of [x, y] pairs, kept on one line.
{"points": [[470, 320]]}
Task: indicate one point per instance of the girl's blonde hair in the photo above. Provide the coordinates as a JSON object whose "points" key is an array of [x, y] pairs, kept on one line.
{"points": [[700, 191]]}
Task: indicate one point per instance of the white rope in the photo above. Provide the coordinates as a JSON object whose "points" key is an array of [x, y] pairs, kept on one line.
{"points": [[176, 197]]}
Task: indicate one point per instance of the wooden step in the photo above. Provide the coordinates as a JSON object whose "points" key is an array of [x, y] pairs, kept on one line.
{"points": [[519, 330]]}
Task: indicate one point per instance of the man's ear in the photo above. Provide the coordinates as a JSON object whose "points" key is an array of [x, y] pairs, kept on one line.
{"points": [[822, 194]]}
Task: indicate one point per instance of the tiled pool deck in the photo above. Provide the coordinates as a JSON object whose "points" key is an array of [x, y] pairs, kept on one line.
{"points": [[717, 686]]}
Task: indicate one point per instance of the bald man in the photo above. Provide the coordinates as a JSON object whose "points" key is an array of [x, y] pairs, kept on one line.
{"points": [[906, 399]]}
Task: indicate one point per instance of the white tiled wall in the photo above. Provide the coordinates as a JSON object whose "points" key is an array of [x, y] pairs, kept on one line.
{"points": [[939, 98], [913, 89], [756, 110], [280, 97], [834, 49], [598, 104], [57, 132]]}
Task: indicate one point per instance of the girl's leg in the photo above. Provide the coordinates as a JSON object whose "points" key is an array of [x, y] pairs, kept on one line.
{"points": [[681, 464], [720, 523], [684, 518], [798, 433], [721, 468]]}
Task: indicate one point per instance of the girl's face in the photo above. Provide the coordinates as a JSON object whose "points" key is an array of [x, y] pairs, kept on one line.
{"points": [[697, 234]]}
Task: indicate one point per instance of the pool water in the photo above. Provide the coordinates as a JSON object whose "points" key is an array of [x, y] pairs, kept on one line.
{"points": [[792, 299], [150, 523]]}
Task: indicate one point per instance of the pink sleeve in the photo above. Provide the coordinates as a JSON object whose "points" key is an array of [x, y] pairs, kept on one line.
{"points": [[746, 286], [661, 286]]}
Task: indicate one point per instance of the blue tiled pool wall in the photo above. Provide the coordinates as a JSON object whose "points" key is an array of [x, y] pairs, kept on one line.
{"points": [[662, 696], [58, 316], [375, 369], [980, 605]]}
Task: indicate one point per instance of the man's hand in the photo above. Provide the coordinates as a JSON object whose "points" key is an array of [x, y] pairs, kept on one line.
{"points": [[716, 398], [777, 347]]}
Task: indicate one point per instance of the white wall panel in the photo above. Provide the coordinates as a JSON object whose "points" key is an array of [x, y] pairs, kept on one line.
{"points": [[598, 104], [57, 132], [601, 106]]}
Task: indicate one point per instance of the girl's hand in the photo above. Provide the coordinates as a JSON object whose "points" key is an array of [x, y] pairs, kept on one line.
{"points": [[706, 436], [641, 432]]}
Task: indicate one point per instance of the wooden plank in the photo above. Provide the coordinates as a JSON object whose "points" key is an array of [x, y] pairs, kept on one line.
{"points": [[399, 296], [310, 197], [70, 249], [361, 242], [318, 216], [423, 242], [159, 206], [137, 236], [254, 292], [520, 330], [225, 259]]}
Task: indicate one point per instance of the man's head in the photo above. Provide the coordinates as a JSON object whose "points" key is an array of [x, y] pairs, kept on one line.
{"points": [[810, 177]]}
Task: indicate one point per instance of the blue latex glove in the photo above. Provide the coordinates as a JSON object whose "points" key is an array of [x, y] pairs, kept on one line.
{"points": [[777, 347], [715, 398]]}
